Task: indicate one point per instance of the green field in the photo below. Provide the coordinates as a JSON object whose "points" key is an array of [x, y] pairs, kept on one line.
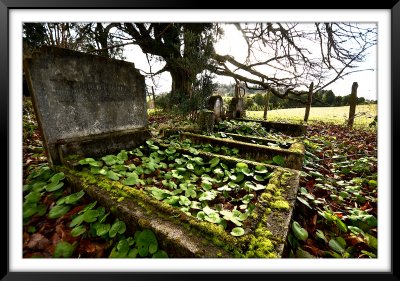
{"points": [[365, 114]]}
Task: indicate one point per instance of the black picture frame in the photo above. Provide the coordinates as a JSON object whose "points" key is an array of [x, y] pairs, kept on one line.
{"points": [[7, 5]]}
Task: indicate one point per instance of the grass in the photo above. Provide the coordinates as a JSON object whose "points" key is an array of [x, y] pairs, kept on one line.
{"points": [[365, 114]]}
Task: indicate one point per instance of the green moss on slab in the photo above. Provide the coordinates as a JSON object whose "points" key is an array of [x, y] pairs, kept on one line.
{"points": [[260, 245], [286, 176], [280, 205], [262, 232], [265, 197], [297, 148]]}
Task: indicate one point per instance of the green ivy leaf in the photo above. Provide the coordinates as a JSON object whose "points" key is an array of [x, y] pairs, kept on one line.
{"points": [[86, 161], [58, 211], [214, 162], [38, 186], [207, 196], [321, 235], [77, 231], [239, 177], [195, 205], [356, 230], [304, 202], [71, 199], [53, 186], [29, 210], [146, 243], [341, 225], [336, 246], [91, 215], [88, 207], [371, 241], [258, 178], [110, 159], [132, 253], [120, 250], [123, 155], [102, 229], [241, 166], [201, 215], [279, 160], [64, 250], [160, 254], [112, 175], [184, 201], [57, 177], [159, 194], [247, 172], [117, 227], [77, 220], [237, 231], [172, 200], [300, 253], [299, 232], [213, 217], [191, 193], [261, 169], [198, 161], [193, 151], [33, 197], [132, 179]]}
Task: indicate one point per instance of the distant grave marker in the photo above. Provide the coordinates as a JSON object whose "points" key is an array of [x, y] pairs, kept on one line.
{"points": [[216, 104], [86, 104]]}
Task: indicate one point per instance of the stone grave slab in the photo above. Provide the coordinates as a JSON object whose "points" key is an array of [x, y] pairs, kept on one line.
{"points": [[185, 236], [293, 155], [85, 104], [290, 129]]}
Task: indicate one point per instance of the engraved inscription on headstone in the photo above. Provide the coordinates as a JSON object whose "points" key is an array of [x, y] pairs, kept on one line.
{"points": [[76, 95]]}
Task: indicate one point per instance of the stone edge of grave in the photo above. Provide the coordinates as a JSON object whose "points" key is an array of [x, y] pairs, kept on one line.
{"points": [[293, 156]]}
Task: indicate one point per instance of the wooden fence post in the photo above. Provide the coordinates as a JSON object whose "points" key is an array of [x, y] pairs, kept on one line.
{"points": [[353, 103], [309, 101], [266, 105]]}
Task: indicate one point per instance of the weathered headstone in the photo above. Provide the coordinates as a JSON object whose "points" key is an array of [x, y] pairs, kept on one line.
{"points": [[216, 104], [86, 104], [236, 106]]}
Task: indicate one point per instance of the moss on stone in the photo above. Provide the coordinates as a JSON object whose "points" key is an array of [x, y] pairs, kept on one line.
{"points": [[265, 197], [280, 205]]}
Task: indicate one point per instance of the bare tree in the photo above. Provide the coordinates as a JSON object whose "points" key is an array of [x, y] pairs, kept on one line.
{"points": [[99, 38], [184, 47], [285, 57]]}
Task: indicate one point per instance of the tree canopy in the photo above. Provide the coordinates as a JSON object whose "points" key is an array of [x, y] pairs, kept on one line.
{"points": [[283, 58]]}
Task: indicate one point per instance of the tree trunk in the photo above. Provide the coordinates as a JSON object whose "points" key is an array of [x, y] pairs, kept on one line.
{"points": [[266, 105], [101, 37], [353, 103], [181, 84], [309, 101]]}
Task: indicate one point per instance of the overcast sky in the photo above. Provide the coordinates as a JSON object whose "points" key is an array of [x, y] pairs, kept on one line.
{"points": [[233, 44]]}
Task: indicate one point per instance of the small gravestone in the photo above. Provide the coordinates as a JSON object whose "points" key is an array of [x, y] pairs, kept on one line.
{"points": [[86, 104], [236, 106], [206, 120], [216, 104]]}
